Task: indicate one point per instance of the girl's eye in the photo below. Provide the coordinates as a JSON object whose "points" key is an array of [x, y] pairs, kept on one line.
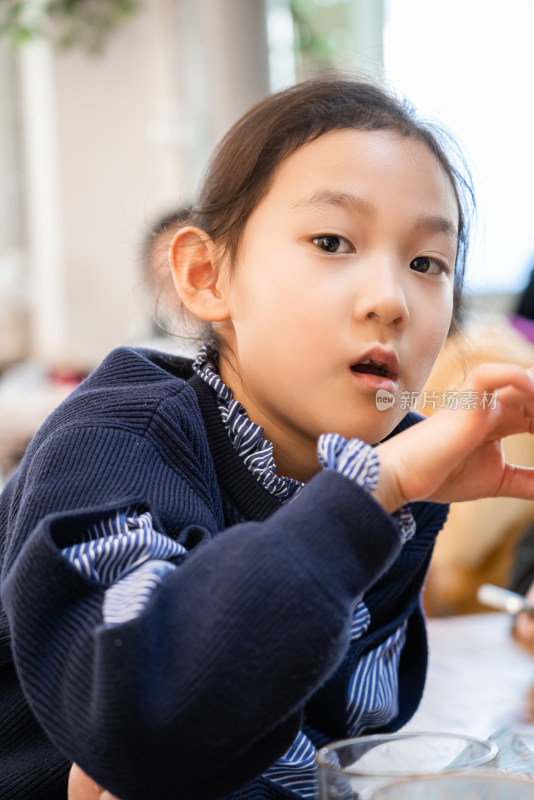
{"points": [[332, 244], [428, 265]]}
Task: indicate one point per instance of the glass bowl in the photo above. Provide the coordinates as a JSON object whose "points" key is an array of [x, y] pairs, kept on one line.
{"points": [[353, 768], [481, 785]]}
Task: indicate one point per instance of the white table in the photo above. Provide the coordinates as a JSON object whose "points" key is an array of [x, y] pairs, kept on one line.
{"points": [[478, 678]]}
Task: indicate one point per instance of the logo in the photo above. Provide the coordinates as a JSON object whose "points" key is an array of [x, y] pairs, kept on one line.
{"points": [[384, 400]]}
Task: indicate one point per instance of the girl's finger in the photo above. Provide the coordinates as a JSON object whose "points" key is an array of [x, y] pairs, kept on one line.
{"points": [[514, 395], [492, 377], [524, 630], [517, 482], [81, 786]]}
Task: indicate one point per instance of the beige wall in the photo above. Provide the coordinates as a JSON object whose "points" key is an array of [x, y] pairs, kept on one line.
{"points": [[102, 160], [113, 141]]}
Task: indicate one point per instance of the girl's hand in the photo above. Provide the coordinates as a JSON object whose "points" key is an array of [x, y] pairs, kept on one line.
{"points": [[457, 454], [82, 787]]}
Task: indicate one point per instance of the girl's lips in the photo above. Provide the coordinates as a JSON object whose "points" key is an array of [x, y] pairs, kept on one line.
{"points": [[375, 382], [378, 360]]}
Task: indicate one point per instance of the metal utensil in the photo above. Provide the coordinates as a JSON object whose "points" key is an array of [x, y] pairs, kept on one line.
{"points": [[503, 599]]}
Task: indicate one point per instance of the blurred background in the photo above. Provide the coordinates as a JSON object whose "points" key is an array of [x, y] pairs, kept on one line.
{"points": [[109, 110]]}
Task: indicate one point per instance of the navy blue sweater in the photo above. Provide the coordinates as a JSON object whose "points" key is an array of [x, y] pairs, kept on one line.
{"points": [[239, 648]]}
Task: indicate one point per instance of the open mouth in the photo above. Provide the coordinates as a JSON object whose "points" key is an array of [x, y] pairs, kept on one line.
{"points": [[371, 368]]}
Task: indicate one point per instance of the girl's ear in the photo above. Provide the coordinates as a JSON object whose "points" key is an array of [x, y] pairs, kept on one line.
{"points": [[197, 277]]}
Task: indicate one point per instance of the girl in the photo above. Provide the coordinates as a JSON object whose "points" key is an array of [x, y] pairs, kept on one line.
{"points": [[211, 569]]}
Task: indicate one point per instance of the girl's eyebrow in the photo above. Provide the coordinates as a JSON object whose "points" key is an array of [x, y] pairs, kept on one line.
{"points": [[437, 224], [326, 198]]}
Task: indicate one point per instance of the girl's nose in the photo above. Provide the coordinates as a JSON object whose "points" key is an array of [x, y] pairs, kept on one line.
{"points": [[383, 298]]}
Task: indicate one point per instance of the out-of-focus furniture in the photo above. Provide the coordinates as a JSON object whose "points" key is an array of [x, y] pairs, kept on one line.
{"points": [[28, 394], [478, 678], [479, 537]]}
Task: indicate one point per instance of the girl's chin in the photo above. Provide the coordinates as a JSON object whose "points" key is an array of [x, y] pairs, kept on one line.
{"points": [[377, 431]]}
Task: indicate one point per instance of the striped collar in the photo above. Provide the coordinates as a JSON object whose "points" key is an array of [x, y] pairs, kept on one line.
{"points": [[245, 436]]}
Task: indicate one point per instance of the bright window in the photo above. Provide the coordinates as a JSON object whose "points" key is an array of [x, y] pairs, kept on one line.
{"points": [[469, 64]]}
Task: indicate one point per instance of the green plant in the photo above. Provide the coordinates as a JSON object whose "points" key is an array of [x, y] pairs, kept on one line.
{"points": [[321, 34], [68, 23]]}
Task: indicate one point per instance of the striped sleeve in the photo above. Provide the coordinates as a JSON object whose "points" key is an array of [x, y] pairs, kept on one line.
{"points": [[373, 692], [351, 457], [126, 554], [358, 461], [296, 771], [372, 697], [361, 619]]}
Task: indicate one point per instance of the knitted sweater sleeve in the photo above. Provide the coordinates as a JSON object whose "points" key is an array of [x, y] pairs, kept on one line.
{"points": [[205, 688]]}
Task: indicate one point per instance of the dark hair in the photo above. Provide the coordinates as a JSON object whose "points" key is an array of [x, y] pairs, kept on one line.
{"points": [[243, 165], [525, 304]]}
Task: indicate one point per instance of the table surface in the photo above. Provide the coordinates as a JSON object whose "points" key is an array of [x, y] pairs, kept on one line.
{"points": [[478, 678]]}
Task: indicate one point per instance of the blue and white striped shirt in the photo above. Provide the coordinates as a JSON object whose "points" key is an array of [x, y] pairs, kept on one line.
{"points": [[126, 554]]}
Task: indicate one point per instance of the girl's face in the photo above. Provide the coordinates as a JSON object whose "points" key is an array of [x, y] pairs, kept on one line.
{"points": [[343, 286]]}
